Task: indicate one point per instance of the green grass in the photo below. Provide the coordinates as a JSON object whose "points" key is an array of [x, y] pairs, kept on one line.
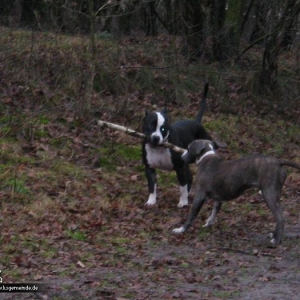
{"points": [[204, 232], [223, 294], [76, 235], [129, 152], [111, 154], [14, 273], [252, 134], [65, 168]]}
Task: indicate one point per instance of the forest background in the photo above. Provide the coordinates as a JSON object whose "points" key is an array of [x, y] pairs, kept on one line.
{"points": [[72, 194]]}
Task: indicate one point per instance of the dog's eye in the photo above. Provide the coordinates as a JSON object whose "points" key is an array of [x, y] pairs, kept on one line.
{"points": [[163, 129]]}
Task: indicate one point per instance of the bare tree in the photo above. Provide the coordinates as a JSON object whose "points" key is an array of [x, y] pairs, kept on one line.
{"points": [[150, 18], [217, 19], [276, 42], [193, 20]]}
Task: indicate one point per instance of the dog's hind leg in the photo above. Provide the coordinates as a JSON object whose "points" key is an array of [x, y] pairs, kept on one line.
{"points": [[211, 219], [198, 202], [272, 197], [151, 177]]}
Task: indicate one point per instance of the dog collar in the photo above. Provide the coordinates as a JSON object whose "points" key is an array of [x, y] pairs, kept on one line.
{"points": [[210, 152]]}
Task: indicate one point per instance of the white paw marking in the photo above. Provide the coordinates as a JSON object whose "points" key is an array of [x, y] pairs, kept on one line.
{"points": [[178, 230], [152, 198], [182, 203], [211, 220], [273, 239], [208, 224]]}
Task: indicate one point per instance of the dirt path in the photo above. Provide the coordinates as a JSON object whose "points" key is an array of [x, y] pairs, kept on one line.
{"points": [[220, 263]]}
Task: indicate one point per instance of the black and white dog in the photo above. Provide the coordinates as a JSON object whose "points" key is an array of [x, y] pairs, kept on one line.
{"points": [[181, 133]]}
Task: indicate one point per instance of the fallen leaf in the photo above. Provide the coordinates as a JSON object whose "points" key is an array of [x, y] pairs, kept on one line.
{"points": [[80, 264]]}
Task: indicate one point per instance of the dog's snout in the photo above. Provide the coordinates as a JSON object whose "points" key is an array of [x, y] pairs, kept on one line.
{"points": [[155, 139]]}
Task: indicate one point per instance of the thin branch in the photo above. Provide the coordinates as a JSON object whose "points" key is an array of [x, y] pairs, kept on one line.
{"points": [[252, 45]]}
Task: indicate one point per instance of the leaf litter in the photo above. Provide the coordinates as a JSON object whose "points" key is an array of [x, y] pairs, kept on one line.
{"points": [[73, 215]]}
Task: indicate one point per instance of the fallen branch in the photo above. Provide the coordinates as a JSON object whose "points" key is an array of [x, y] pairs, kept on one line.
{"points": [[137, 134]]}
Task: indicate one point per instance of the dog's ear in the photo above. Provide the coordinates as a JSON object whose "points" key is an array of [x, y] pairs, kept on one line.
{"points": [[145, 115], [142, 120], [215, 145], [165, 113], [218, 144]]}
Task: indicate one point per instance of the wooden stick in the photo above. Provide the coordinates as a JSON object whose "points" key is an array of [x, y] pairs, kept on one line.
{"points": [[137, 134]]}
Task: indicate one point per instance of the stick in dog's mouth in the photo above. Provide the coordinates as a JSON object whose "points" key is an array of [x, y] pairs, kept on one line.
{"points": [[138, 134]]}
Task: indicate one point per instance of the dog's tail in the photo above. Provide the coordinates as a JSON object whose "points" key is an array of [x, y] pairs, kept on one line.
{"points": [[283, 162], [203, 104]]}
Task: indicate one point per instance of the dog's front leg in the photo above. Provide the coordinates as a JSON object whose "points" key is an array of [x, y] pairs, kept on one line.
{"points": [[198, 202], [184, 177], [151, 177]]}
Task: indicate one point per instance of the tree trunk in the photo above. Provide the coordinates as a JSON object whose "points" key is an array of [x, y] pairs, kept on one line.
{"points": [[217, 19], [150, 18], [27, 15], [193, 25], [172, 16], [275, 44]]}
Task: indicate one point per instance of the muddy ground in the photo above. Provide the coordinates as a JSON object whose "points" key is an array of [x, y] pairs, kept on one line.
{"points": [[137, 256]]}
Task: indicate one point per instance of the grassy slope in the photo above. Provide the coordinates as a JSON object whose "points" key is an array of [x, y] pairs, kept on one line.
{"points": [[72, 194]]}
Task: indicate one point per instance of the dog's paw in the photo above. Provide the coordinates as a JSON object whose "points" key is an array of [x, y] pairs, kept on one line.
{"points": [[183, 204], [179, 230], [273, 238], [207, 224], [274, 241], [151, 200]]}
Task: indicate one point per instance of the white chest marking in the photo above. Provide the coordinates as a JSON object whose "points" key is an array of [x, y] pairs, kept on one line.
{"points": [[159, 157]]}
